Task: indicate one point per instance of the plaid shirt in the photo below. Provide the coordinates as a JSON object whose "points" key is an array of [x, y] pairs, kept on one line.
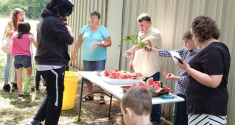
{"points": [[186, 55]]}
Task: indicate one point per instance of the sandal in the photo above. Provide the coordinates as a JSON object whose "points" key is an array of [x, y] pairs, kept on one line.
{"points": [[102, 101], [88, 98]]}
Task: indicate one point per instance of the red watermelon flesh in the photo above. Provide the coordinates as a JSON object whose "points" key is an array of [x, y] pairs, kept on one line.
{"points": [[133, 85], [150, 81], [147, 86], [116, 70], [168, 90], [141, 84], [106, 73], [156, 87], [158, 83], [139, 75], [165, 74]]}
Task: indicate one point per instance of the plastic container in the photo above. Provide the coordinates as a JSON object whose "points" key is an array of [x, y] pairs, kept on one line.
{"points": [[123, 82], [71, 80]]}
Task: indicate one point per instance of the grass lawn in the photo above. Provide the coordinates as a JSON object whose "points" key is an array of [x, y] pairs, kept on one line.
{"points": [[14, 111]]}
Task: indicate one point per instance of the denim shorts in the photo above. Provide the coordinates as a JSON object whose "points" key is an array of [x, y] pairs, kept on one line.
{"points": [[93, 66], [22, 61]]}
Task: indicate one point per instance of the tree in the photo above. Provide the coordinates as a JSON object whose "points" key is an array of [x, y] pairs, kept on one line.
{"points": [[32, 8]]}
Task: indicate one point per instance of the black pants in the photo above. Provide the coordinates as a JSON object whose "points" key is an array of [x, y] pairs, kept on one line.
{"points": [[180, 113], [51, 106]]}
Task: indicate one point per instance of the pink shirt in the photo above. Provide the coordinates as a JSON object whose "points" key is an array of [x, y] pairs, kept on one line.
{"points": [[21, 46]]}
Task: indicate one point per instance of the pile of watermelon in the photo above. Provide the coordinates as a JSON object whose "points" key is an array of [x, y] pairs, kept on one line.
{"points": [[116, 74], [153, 86]]}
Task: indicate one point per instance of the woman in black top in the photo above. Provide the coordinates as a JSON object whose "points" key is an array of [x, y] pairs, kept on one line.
{"points": [[206, 86]]}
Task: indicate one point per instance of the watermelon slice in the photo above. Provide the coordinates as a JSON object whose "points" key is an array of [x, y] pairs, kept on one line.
{"points": [[168, 90], [141, 84], [165, 74], [133, 85], [138, 76], [156, 87], [158, 83], [147, 86], [150, 81], [106, 73], [116, 70]]}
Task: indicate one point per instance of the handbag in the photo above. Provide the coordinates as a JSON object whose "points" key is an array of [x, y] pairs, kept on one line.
{"points": [[7, 43]]}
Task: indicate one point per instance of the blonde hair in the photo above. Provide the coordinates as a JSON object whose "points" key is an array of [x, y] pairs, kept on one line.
{"points": [[138, 99]]}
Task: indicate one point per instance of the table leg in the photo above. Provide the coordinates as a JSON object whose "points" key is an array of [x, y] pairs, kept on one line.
{"points": [[110, 104], [80, 104]]}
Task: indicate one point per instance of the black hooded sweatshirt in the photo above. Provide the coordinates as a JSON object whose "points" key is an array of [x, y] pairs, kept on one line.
{"points": [[53, 38]]}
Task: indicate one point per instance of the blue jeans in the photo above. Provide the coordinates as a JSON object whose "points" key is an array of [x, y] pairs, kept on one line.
{"points": [[7, 68], [93, 66], [156, 109]]}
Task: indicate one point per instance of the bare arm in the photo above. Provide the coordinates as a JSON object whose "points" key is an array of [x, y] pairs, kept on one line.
{"points": [[34, 42], [77, 46], [212, 81]]}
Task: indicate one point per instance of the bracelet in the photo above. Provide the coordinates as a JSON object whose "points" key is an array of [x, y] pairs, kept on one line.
{"points": [[150, 49]]}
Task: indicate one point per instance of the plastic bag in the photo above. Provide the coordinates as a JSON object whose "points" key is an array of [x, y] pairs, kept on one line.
{"points": [[7, 43]]}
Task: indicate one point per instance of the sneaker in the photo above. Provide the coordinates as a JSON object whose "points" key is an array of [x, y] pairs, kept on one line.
{"points": [[35, 122], [7, 87], [21, 96], [14, 85]]}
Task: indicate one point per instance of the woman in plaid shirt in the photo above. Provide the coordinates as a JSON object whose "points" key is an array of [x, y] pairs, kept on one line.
{"points": [[187, 53]]}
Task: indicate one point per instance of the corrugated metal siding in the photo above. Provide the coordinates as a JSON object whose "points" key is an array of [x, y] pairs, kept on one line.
{"points": [[173, 18], [80, 18]]}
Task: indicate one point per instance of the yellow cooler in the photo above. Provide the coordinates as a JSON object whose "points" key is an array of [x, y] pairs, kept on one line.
{"points": [[71, 80]]}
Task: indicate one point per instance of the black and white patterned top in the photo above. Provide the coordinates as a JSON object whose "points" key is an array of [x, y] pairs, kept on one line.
{"points": [[186, 55]]}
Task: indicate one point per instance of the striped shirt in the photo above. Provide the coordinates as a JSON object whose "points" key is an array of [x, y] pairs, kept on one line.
{"points": [[186, 55]]}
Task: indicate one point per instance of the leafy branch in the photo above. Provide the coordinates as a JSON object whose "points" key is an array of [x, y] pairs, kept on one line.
{"points": [[135, 40]]}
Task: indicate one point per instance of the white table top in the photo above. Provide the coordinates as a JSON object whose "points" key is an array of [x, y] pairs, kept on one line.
{"points": [[117, 91]]}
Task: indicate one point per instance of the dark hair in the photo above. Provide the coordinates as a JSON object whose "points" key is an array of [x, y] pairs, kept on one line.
{"points": [[187, 35], [94, 12], [138, 99], [205, 28], [61, 7], [144, 17], [14, 14], [23, 28]]}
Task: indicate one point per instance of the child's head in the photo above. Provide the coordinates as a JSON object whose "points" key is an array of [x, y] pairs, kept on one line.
{"points": [[137, 101], [23, 28], [188, 39], [17, 14]]}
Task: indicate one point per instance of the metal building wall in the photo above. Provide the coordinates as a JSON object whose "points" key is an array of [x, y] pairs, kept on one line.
{"points": [[173, 18], [80, 18]]}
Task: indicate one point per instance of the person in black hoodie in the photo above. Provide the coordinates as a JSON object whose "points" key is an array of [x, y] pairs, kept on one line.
{"points": [[53, 36]]}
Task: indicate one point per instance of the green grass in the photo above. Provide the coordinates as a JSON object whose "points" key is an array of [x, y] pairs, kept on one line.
{"points": [[17, 112]]}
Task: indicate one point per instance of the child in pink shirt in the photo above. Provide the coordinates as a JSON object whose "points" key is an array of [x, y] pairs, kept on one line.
{"points": [[22, 56]]}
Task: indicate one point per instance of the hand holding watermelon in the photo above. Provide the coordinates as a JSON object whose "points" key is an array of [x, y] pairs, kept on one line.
{"points": [[166, 74]]}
